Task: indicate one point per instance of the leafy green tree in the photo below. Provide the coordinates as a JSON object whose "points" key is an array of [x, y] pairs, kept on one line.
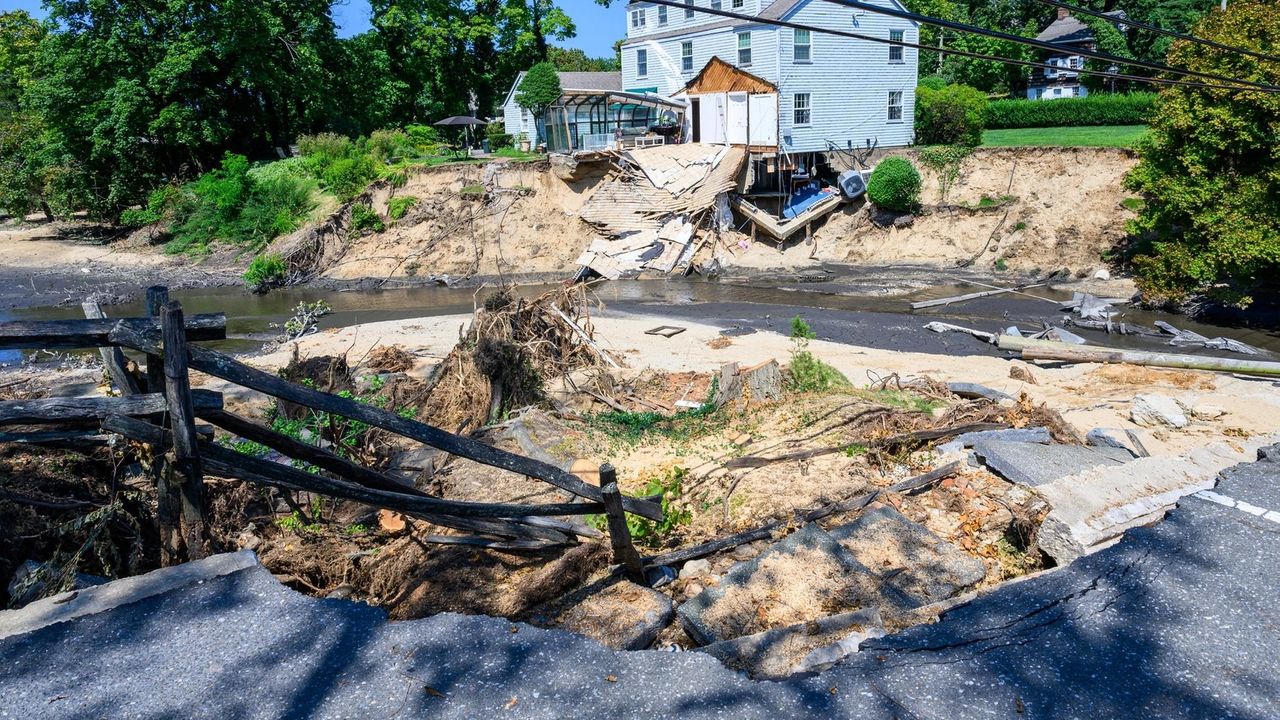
{"points": [[539, 89], [1210, 168], [20, 37], [575, 60]]}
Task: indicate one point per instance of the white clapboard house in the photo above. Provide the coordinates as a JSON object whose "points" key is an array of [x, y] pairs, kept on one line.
{"points": [[772, 88]]}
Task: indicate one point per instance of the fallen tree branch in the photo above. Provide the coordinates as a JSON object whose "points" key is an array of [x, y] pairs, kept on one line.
{"points": [[916, 437]]}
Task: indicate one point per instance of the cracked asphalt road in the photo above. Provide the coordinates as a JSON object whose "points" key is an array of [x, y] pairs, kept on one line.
{"points": [[1178, 620]]}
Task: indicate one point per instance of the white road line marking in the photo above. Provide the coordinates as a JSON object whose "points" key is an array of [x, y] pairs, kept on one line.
{"points": [[1241, 505]]}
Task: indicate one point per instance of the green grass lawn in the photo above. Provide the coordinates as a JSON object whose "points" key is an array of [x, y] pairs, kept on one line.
{"points": [[1097, 136]]}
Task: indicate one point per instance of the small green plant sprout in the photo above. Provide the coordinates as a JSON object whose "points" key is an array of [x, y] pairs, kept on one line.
{"points": [[1019, 226], [265, 272], [808, 373], [675, 511], [1001, 265], [365, 219], [398, 207]]}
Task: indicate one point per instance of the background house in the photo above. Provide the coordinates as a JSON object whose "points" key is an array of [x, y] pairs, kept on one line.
{"points": [[832, 93], [519, 120], [1063, 79]]}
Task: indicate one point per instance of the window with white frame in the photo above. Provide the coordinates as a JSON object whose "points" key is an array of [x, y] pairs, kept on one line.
{"points": [[895, 106], [688, 10], [642, 63], [637, 18], [1074, 62], [1075, 91], [801, 109], [686, 56], [662, 15], [737, 4], [801, 46], [895, 51], [744, 49]]}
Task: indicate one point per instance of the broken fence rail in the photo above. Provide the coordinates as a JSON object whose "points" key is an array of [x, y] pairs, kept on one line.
{"points": [[163, 338]]}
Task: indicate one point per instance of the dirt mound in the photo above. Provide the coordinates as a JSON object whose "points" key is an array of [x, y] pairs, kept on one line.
{"points": [[1024, 209]]}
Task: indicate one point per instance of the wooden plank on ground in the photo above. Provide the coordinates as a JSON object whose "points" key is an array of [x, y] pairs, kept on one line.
{"points": [[62, 334]]}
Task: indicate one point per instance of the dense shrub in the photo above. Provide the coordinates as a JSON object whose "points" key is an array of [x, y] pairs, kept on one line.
{"points": [[950, 115], [324, 145], [1209, 171], [347, 177], [498, 137], [159, 206], [365, 219], [421, 135], [398, 207], [275, 207], [895, 185], [265, 272], [386, 144], [1097, 109], [933, 82]]}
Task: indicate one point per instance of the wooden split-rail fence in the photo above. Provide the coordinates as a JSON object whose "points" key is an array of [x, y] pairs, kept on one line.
{"points": [[159, 409]]}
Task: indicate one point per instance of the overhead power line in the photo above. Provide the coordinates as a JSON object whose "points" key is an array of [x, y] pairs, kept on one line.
{"points": [[1161, 31], [946, 51], [999, 35]]}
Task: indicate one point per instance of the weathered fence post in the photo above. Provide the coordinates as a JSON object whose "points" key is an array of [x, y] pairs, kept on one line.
{"points": [[112, 357], [182, 421], [624, 553], [167, 497]]}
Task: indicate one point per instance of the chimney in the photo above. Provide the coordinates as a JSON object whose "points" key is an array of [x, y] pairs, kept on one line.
{"points": [[1063, 13]]}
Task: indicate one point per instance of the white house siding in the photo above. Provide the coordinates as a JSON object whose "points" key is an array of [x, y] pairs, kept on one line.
{"points": [[848, 80], [515, 119], [676, 19], [665, 71]]}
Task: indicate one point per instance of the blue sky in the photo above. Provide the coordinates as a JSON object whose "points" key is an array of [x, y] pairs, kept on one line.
{"points": [[598, 27]]}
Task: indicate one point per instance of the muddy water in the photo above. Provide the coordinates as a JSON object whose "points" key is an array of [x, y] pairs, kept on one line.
{"points": [[847, 313]]}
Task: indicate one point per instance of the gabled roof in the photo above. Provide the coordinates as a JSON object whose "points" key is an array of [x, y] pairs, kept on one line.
{"points": [[776, 10], [718, 76], [1070, 30], [575, 81]]}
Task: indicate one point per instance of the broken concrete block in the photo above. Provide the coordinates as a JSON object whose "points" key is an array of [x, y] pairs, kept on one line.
{"points": [[1033, 465], [802, 578], [1106, 437], [974, 390], [618, 614], [1207, 412], [1152, 410], [1027, 435], [1093, 508], [803, 647], [915, 561]]}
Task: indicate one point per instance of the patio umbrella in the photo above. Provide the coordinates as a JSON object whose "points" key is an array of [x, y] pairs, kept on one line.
{"points": [[466, 121]]}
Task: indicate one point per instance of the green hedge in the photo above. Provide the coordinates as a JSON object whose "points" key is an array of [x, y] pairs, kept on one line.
{"points": [[1100, 109], [895, 185]]}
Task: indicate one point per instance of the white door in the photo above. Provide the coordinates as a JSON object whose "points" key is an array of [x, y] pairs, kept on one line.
{"points": [[712, 118], [764, 119], [738, 114]]}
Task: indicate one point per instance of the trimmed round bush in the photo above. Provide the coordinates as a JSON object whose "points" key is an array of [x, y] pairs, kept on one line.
{"points": [[895, 185]]}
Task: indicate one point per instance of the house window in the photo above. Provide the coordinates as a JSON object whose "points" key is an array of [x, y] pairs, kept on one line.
{"points": [[801, 105], [1074, 62], [686, 56], [642, 63], [744, 49], [715, 4], [895, 106], [802, 45], [662, 15], [895, 51], [1075, 91], [737, 4], [637, 18], [688, 11]]}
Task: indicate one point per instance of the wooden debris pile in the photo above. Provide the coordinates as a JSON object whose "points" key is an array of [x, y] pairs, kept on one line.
{"points": [[508, 352]]}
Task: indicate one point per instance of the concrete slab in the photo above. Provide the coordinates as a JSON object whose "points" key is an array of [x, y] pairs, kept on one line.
{"points": [[804, 647], [615, 613], [1034, 465], [915, 561], [1151, 410], [967, 440], [804, 577], [1093, 508]]}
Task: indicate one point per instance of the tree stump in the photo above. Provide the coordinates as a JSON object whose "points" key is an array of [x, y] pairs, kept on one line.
{"points": [[758, 383]]}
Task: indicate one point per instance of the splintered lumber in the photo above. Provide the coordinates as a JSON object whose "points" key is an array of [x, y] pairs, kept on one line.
{"points": [[969, 296], [624, 552], [182, 421], [228, 368], [941, 327], [362, 475], [112, 357], [908, 486], [86, 409], [55, 334], [911, 438], [157, 298], [584, 337], [1070, 353]]}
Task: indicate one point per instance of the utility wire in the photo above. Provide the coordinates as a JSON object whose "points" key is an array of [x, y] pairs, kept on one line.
{"points": [[999, 35], [946, 51], [1161, 31]]}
